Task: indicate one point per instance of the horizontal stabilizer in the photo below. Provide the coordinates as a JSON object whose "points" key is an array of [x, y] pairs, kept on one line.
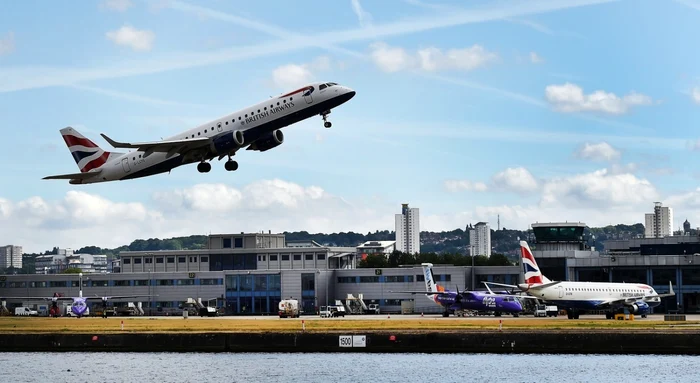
{"points": [[74, 176]]}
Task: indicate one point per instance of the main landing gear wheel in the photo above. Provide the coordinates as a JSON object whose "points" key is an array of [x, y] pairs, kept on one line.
{"points": [[231, 165], [327, 124], [204, 167]]}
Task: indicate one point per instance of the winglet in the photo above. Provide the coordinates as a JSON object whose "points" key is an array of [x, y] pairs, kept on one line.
{"points": [[116, 144], [670, 289]]}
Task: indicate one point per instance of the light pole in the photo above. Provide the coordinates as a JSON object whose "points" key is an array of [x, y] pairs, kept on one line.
{"points": [[149, 291]]}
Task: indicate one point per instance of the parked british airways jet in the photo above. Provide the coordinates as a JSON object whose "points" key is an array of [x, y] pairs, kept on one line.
{"points": [[578, 297], [79, 306], [455, 301], [257, 127]]}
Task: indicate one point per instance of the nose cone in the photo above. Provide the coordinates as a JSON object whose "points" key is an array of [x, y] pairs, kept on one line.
{"points": [[350, 93]]}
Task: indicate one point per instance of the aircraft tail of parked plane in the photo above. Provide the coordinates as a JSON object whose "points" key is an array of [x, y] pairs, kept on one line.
{"points": [[578, 297], [79, 304]]}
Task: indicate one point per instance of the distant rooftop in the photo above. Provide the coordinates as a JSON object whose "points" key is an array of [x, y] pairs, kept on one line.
{"points": [[559, 224]]}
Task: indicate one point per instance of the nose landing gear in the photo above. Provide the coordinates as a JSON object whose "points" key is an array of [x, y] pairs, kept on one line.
{"points": [[326, 123]]}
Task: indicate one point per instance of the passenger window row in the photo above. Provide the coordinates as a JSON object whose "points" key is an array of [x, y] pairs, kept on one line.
{"points": [[245, 116]]}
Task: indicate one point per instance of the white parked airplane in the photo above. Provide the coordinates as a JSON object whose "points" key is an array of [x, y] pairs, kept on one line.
{"points": [[254, 128], [577, 297]]}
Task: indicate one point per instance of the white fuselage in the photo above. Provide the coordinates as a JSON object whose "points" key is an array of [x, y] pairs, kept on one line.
{"points": [[259, 119], [590, 294]]}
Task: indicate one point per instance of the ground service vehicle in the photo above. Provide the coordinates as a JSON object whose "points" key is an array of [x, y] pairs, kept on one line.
{"points": [[337, 311], [373, 308], [540, 311], [552, 311], [25, 311], [289, 308]]}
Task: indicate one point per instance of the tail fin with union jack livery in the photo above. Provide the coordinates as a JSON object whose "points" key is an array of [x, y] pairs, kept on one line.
{"points": [[87, 154]]}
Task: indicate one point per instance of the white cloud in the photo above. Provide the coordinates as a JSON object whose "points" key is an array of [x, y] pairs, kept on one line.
{"points": [[696, 95], [7, 44], [394, 59], [295, 75], [363, 16], [291, 76], [81, 218], [598, 152], [391, 59], [598, 189], [535, 58], [570, 98], [464, 185], [519, 180], [117, 5], [138, 40]]}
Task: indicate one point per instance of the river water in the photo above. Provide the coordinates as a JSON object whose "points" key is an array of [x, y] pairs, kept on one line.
{"points": [[334, 367]]}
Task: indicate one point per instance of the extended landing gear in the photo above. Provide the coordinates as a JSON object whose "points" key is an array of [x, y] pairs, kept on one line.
{"points": [[572, 314], [231, 165], [204, 167], [326, 123]]}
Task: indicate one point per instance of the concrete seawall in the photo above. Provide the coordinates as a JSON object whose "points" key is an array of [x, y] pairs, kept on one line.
{"points": [[431, 342]]}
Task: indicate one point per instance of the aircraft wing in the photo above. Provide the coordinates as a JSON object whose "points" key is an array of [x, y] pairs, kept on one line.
{"points": [[119, 297], [39, 298], [630, 300], [172, 147], [74, 176], [500, 284]]}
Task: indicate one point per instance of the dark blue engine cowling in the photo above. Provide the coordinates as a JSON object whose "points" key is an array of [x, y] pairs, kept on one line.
{"points": [[639, 307], [228, 141], [268, 141]]}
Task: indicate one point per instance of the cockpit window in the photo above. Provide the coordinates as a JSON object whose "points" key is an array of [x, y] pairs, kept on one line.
{"points": [[322, 86], [331, 84]]}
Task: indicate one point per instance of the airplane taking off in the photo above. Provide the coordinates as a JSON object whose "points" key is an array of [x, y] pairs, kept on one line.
{"points": [[456, 301], [578, 297], [79, 305], [257, 127]]}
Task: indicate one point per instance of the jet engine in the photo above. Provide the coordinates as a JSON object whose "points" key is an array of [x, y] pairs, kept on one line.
{"points": [[268, 141], [639, 307], [228, 141]]}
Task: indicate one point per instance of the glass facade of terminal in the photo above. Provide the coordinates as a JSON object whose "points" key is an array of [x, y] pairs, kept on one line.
{"points": [[253, 294]]}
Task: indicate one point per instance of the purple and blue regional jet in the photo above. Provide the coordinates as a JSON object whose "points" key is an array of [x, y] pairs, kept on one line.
{"points": [[456, 301], [79, 307]]}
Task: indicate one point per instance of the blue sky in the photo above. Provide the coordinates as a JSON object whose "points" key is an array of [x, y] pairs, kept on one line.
{"points": [[531, 110]]}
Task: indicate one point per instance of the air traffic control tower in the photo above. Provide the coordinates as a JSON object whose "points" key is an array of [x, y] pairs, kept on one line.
{"points": [[556, 244]]}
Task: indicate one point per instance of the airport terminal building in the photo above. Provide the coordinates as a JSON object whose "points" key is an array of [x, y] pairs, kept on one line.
{"points": [[250, 273]]}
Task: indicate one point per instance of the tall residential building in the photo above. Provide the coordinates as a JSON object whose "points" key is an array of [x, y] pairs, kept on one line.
{"points": [[408, 230], [660, 223], [480, 239], [11, 256]]}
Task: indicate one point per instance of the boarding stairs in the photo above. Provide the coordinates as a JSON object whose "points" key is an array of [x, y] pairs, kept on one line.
{"points": [[137, 309], [355, 305]]}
